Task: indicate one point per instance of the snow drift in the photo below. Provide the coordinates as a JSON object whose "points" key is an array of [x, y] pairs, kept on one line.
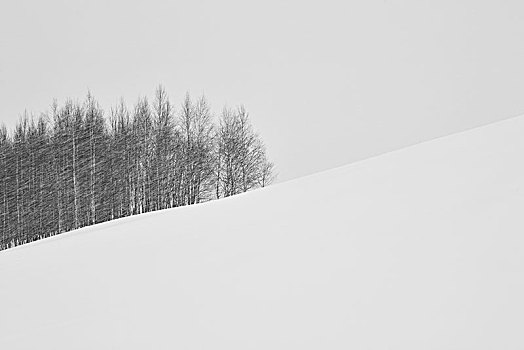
{"points": [[421, 248]]}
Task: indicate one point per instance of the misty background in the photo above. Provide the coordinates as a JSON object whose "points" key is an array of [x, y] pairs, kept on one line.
{"points": [[325, 83]]}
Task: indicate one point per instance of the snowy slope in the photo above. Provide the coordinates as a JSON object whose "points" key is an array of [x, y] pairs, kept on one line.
{"points": [[421, 248]]}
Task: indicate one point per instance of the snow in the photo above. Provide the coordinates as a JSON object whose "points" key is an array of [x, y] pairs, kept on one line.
{"points": [[421, 248]]}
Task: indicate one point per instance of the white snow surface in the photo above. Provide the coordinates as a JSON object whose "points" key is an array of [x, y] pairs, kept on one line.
{"points": [[421, 248]]}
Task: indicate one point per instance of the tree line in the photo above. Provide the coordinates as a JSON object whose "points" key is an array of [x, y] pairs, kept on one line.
{"points": [[72, 166]]}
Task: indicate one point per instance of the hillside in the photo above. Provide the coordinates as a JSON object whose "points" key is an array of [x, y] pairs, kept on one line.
{"points": [[421, 248]]}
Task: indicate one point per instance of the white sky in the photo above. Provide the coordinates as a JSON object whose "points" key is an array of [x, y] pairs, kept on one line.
{"points": [[326, 83]]}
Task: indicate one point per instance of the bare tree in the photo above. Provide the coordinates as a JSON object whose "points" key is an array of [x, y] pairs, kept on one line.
{"points": [[242, 164], [5, 145], [163, 125], [196, 125]]}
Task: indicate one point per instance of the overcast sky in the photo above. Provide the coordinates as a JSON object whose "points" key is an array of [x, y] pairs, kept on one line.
{"points": [[326, 82]]}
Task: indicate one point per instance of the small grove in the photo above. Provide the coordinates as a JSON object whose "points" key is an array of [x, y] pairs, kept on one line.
{"points": [[76, 166]]}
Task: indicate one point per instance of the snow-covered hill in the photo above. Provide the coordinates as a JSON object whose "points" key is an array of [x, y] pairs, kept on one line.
{"points": [[421, 248]]}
